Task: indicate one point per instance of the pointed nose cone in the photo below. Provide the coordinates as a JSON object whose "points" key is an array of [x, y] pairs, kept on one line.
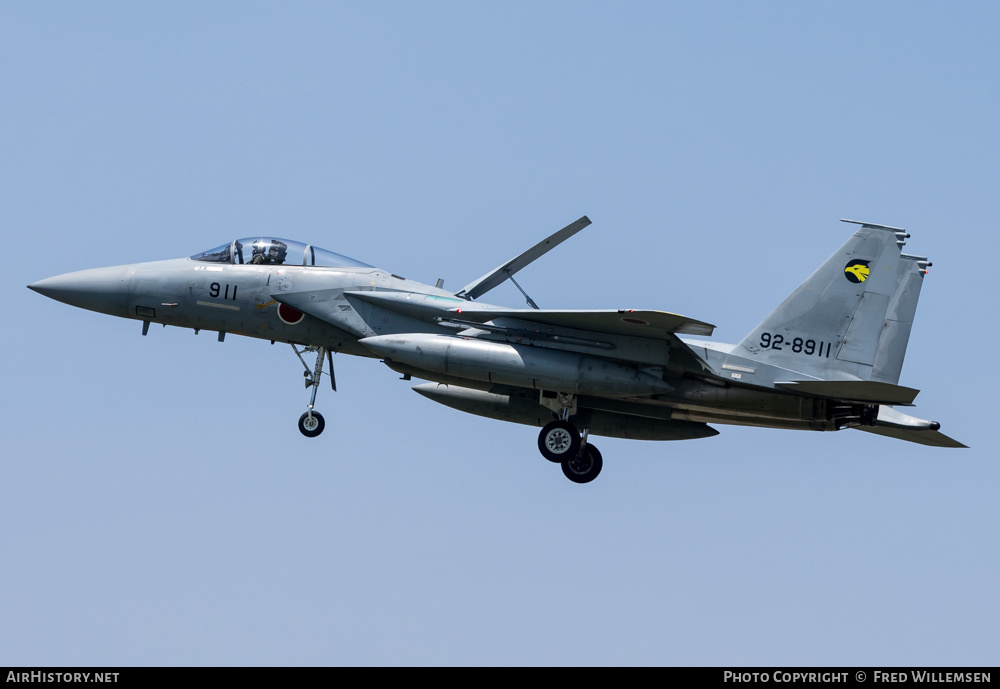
{"points": [[101, 289]]}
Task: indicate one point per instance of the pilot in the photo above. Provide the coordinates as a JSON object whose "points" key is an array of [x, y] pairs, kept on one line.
{"points": [[269, 253], [259, 254], [277, 252]]}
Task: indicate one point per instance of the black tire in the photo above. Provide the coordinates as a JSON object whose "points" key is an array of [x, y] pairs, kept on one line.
{"points": [[559, 440], [311, 430], [585, 466]]}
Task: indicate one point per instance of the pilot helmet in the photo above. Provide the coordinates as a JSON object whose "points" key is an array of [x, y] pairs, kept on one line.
{"points": [[277, 252]]}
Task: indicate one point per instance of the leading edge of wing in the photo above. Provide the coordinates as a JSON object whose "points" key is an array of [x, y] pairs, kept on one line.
{"points": [[653, 324]]}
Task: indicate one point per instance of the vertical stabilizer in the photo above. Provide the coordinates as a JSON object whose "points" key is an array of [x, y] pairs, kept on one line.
{"points": [[899, 318], [831, 325]]}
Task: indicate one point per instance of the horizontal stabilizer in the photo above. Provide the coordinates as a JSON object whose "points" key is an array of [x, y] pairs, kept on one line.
{"points": [[864, 391], [502, 273], [922, 437], [653, 324]]}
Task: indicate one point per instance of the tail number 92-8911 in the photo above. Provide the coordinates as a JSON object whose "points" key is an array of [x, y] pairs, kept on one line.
{"points": [[798, 345]]}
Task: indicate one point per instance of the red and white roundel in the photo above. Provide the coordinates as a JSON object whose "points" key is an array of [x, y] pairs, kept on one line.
{"points": [[289, 315]]}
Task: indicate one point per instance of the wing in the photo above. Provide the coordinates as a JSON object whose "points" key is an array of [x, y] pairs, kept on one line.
{"points": [[559, 329], [654, 324], [504, 272], [630, 322], [572, 328]]}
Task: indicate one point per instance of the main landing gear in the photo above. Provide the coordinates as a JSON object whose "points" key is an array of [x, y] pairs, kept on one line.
{"points": [[311, 423], [560, 442], [585, 467]]}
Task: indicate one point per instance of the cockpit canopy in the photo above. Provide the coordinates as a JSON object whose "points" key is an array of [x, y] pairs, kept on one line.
{"points": [[275, 252]]}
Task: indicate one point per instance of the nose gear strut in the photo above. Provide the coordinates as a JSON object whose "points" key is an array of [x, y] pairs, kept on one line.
{"points": [[311, 423]]}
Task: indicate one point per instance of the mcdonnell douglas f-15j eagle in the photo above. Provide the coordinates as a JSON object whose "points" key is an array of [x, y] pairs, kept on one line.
{"points": [[828, 358]]}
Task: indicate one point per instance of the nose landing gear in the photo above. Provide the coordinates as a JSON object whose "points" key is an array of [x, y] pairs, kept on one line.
{"points": [[312, 423]]}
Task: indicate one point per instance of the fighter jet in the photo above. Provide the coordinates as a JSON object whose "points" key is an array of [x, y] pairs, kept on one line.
{"points": [[828, 358]]}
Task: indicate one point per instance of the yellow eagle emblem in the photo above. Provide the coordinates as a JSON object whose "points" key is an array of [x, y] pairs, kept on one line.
{"points": [[856, 271]]}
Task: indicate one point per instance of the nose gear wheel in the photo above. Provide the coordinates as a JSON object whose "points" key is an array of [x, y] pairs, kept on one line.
{"points": [[311, 424]]}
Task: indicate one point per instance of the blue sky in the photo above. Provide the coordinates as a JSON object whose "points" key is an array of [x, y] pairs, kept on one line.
{"points": [[158, 505]]}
